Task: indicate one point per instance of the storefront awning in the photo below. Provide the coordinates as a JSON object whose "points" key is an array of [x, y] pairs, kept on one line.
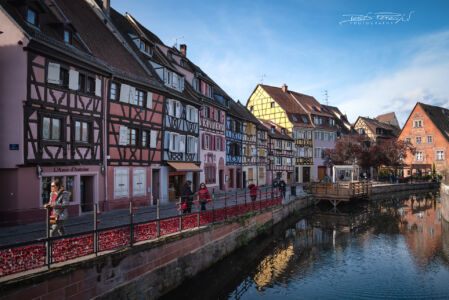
{"points": [[184, 166]]}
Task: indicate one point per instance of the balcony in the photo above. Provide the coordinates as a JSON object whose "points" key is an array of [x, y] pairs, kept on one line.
{"points": [[304, 161], [304, 143]]}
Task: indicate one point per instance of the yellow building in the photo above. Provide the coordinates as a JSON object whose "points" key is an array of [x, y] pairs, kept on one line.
{"points": [[291, 111]]}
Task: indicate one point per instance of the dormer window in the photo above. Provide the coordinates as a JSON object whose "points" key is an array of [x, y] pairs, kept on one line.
{"points": [[283, 131], [211, 91], [32, 17], [304, 119], [272, 104], [295, 119], [272, 129], [67, 36], [144, 47]]}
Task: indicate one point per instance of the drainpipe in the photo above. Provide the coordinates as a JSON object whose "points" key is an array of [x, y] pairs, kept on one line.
{"points": [[105, 139]]}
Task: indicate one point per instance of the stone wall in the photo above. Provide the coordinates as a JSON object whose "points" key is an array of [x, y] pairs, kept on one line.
{"points": [[390, 188], [151, 268], [444, 197]]}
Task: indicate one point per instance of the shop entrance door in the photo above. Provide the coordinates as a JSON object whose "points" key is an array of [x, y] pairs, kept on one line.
{"points": [[306, 174], [321, 173], [87, 193], [220, 179]]}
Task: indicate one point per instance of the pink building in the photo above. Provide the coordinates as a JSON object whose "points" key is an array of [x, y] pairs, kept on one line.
{"points": [[52, 110]]}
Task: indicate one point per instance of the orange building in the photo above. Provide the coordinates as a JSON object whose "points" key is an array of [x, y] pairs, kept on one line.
{"points": [[427, 129]]}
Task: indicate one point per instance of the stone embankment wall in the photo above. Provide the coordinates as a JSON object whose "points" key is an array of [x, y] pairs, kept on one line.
{"points": [[444, 197], [151, 268], [390, 188]]}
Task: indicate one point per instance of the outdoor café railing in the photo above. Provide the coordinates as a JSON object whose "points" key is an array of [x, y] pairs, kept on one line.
{"points": [[44, 252]]}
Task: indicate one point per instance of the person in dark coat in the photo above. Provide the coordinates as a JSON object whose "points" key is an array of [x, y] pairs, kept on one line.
{"points": [[187, 196], [282, 188], [59, 200]]}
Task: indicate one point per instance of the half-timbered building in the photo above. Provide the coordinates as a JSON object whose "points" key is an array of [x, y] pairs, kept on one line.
{"points": [[53, 112], [234, 147], [280, 153]]}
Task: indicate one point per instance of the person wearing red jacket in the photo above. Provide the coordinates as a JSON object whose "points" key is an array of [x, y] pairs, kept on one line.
{"points": [[203, 195], [253, 191]]}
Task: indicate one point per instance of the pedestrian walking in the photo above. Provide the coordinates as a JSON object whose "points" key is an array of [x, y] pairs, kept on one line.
{"points": [[186, 197], [59, 200], [203, 195], [253, 191], [282, 188]]}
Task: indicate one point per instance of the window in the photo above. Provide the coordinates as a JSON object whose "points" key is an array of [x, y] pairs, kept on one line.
{"points": [[304, 119], [331, 122], [279, 144], [81, 131], [144, 138], [218, 143], [32, 17], [121, 182], [67, 36], [64, 77], [90, 85], [138, 98], [419, 156], [237, 127], [207, 141], [217, 115], [418, 140], [408, 140], [361, 131], [417, 124], [51, 129], [192, 144], [295, 119], [440, 155], [211, 91], [132, 136], [144, 47], [272, 129], [272, 104], [251, 108], [429, 139], [206, 112], [289, 145], [196, 84], [278, 161], [113, 91], [82, 83]]}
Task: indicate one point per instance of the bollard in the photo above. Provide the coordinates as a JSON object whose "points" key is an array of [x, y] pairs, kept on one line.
{"points": [[199, 209], [131, 221], [158, 216], [180, 216], [48, 243], [226, 210], [95, 229], [213, 208]]}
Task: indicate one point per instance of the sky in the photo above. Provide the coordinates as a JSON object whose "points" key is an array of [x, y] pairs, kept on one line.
{"points": [[368, 67]]}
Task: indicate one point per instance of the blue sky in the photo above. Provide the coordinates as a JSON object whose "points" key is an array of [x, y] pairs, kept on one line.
{"points": [[367, 68]]}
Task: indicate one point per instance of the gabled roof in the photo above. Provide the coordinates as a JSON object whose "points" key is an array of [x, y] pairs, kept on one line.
{"points": [[439, 116], [296, 105], [388, 118], [373, 124], [277, 134], [341, 120]]}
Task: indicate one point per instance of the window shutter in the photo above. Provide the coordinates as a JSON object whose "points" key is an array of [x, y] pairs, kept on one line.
{"points": [[167, 140], [170, 106], [149, 100], [73, 80], [132, 94], [123, 138], [223, 142], [221, 116], [212, 142], [203, 144], [178, 109], [98, 87], [139, 182], [153, 139], [202, 111], [165, 76], [188, 116], [182, 84], [212, 113], [172, 139], [121, 182], [195, 145], [124, 93], [53, 73]]}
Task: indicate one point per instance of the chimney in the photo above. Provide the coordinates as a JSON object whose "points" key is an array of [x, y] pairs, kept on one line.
{"points": [[284, 88], [183, 49], [107, 6]]}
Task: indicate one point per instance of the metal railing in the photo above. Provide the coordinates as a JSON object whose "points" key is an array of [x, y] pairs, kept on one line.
{"points": [[46, 251]]}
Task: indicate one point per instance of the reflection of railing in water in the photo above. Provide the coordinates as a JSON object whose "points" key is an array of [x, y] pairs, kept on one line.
{"points": [[44, 252]]}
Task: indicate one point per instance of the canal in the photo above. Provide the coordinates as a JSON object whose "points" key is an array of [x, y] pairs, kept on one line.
{"points": [[396, 247]]}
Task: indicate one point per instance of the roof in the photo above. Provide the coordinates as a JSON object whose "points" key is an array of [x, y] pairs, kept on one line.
{"points": [[99, 38], [248, 116], [373, 124], [439, 116], [277, 134], [341, 120], [389, 118], [296, 105]]}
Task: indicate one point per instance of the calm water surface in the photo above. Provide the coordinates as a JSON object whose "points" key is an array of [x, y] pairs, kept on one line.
{"points": [[394, 248]]}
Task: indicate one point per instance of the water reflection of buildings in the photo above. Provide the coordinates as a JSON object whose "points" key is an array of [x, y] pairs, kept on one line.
{"points": [[421, 226]]}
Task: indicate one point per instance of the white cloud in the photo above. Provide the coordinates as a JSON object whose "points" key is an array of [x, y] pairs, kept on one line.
{"points": [[424, 79]]}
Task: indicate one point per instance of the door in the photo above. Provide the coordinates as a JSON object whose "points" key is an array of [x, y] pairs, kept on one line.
{"points": [[86, 193], [321, 173], [305, 174], [155, 185], [239, 179], [231, 178], [220, 179]]}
